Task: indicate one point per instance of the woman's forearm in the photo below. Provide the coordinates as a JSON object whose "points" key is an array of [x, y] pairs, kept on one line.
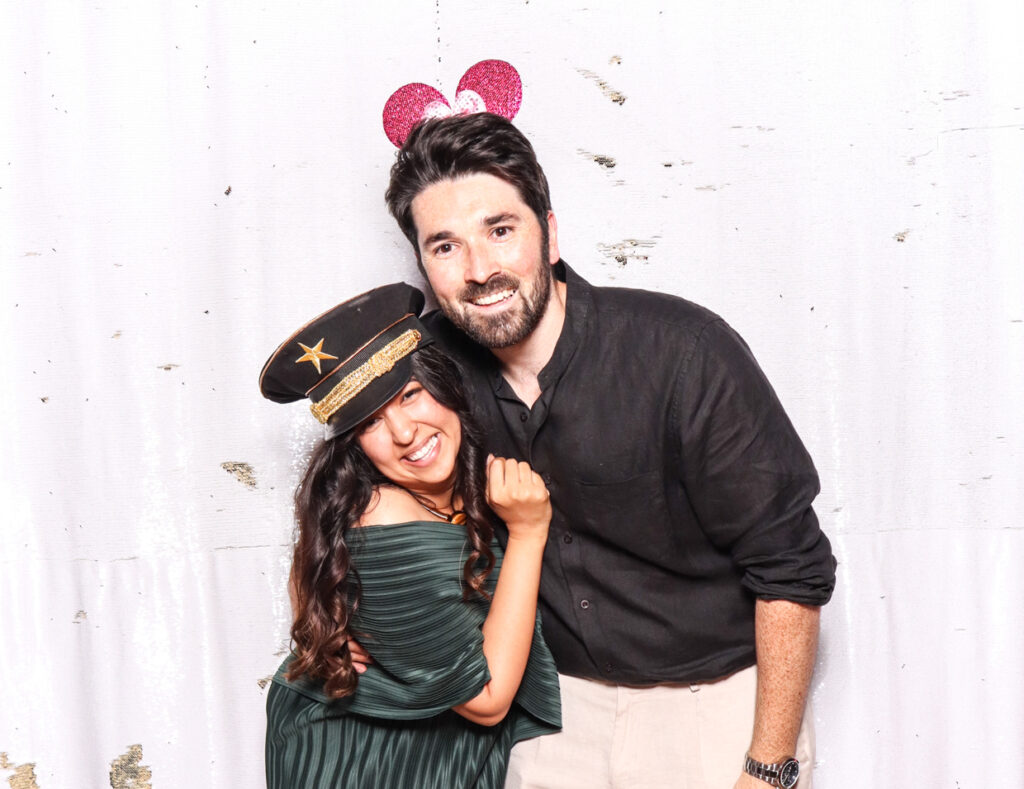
{"points": [[508, 631], [519, 497]]}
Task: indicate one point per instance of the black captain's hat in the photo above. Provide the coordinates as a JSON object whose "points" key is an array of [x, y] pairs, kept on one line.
{"points": [[352, 359]]}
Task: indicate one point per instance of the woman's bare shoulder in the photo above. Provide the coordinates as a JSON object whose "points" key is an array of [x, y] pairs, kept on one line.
{"points": [[391, 505]]}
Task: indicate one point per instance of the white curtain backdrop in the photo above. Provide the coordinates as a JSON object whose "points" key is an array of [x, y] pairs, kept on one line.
{"points": [[182, 184]]}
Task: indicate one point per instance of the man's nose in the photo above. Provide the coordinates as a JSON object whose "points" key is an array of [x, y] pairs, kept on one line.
{"points": [[481, 265]]}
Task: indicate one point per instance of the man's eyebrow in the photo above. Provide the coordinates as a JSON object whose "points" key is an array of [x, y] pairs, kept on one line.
{"points": [[440, 235], [499, 219]]}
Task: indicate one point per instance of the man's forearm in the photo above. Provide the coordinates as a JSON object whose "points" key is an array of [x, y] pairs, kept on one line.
{"points": [[787, 642]]}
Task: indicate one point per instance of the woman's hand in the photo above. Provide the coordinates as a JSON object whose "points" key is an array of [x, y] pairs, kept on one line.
{"points": [[519, 497], [360, 657]]}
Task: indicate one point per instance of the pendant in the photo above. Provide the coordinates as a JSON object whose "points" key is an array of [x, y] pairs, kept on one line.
{"points": [[458, 517]]}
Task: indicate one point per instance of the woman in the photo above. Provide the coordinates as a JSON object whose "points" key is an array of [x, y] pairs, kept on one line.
{"points": [[396, 549]]}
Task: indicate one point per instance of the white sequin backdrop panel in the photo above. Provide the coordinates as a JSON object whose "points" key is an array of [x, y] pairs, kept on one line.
{"points": [[181, 185]]}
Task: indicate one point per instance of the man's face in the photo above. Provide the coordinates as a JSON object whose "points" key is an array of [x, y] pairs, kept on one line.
{"points": [[484, 254]]}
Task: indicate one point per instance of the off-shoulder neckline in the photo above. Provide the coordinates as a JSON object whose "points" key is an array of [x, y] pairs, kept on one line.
{"points": [[406, 523]]}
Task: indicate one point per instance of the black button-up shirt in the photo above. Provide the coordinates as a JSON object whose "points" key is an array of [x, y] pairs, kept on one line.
{"points": [[680, 489]]}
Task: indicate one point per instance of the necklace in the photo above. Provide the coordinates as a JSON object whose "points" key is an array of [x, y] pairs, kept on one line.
{"points": [[457, 517]]}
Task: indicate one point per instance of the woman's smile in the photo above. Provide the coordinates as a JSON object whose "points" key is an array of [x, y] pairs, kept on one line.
{"points": [[419, 456]]}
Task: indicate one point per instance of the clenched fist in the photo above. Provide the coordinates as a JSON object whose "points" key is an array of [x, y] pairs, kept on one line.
{"points": [[519, 497]]}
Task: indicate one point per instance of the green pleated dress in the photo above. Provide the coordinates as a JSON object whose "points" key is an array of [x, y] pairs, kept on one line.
{"points": [[397, 729]]}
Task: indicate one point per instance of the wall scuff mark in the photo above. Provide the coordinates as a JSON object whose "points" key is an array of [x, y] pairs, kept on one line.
{"points": [[625, 251], [243, 472], [604, 161], [606, 89], [24, 774], [126, 772]]}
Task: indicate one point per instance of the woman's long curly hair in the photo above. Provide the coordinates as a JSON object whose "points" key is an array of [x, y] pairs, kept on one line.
{"points": [[332, 496]]}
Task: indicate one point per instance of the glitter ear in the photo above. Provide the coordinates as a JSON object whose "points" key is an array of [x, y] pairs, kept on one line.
{"points": [[489, 86], [408, 106], [498, 84]]}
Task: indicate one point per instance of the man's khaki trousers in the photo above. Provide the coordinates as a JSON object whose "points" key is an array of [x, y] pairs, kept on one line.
{"points": [[621, 737]]}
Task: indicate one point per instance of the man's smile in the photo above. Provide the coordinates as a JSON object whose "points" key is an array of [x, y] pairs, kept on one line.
{"points": [[493, 298]]}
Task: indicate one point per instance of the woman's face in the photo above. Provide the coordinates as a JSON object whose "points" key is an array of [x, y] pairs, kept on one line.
{"points": [[414, 441]]}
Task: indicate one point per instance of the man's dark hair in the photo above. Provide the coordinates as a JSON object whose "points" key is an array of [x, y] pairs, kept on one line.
{"points": [[442, 149]]}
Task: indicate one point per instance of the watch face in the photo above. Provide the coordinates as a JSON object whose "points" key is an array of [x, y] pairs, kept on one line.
{"points": [[789, 773]]}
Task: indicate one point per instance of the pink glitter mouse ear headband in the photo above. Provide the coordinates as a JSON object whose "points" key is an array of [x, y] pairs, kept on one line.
{"points": [[489, 86]]}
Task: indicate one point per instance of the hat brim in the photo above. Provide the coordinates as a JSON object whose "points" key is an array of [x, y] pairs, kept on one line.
{"points": [[375, 396]]}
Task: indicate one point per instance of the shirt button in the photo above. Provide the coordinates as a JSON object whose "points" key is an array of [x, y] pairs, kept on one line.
{"points": [[584, 604], [567, 538], [523, 416], [608, 667]]}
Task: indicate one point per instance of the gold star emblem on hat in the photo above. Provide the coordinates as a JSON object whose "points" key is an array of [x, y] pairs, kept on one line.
{"points": [[314, 354]]}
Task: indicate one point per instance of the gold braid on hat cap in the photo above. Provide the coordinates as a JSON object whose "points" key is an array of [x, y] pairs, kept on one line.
{"points": [[373, 368]]}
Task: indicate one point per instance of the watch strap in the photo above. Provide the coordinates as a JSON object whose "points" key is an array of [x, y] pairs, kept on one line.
{"points": [[771, 774]]}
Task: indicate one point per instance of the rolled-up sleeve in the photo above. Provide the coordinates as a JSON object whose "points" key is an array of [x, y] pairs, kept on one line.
{"points": [[748, 476]]}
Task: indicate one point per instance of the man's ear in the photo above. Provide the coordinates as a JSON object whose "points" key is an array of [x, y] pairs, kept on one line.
{"points": [[553, 255]]}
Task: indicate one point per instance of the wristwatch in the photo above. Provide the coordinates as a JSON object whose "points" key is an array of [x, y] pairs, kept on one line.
{"points": [[784, 773]]}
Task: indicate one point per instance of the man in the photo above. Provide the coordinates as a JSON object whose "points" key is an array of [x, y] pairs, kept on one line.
{"points": [[683, 548]]}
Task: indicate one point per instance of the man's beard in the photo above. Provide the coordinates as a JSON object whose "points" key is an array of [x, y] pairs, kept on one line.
{"points": [[512, 326]]}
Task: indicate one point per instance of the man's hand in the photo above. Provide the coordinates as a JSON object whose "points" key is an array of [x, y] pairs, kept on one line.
{"points": [[749, 782], [360, 657]]}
